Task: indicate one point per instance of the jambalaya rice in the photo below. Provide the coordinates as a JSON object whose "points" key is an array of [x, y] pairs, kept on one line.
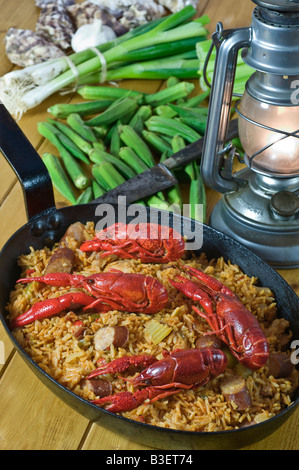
{"points": [[52, 345]]}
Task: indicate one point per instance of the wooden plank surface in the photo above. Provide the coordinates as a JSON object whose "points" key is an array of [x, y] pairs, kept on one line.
{"points": [[31, 416]]}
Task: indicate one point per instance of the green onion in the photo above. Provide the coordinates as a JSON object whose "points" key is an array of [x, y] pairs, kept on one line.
{"points": [[152, 69], [175, 27], [161, 50], [59, 177]]}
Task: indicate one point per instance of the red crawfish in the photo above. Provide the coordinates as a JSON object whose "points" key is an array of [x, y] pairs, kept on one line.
{"points": [[181, 370], [112, 290], [151, 243], [231, 321]]}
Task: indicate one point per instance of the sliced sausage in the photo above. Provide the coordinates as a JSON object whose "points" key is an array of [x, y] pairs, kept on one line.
{"points": [[280, 365], [111, 335], [75, 231], [62, 261], [234, 389], [100, 387]]}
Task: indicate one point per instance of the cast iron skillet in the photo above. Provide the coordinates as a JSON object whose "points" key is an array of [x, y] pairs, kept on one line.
{"points": [[47, 225]]}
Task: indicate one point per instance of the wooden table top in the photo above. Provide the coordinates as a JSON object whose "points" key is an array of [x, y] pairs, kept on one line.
{"points": [[32, 417]]}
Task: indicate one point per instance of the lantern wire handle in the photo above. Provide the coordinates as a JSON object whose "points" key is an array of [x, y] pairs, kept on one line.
{"points": [[272, 129], [217, 36]]}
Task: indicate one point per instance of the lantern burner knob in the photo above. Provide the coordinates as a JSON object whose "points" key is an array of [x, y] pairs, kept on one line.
{"points": [[284, 204]]}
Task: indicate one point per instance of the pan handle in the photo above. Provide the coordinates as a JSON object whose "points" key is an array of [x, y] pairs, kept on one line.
{"points": [[27, 164]]}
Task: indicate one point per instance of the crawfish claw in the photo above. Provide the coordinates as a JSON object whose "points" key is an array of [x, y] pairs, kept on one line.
{"points": [[121, 364], [49, 307], [122, 401]]}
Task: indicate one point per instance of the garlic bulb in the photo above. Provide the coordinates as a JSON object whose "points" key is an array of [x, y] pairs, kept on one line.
{"points": [[91, 35]]}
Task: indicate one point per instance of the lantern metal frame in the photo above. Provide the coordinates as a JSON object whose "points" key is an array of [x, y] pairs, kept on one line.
{"points": [[257, 207]]}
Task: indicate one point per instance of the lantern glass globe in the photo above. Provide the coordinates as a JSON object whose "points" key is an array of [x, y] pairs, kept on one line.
{"points": [[282, 157]]}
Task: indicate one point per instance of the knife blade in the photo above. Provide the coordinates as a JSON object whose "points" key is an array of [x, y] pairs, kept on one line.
{"points": [[160, 176]]}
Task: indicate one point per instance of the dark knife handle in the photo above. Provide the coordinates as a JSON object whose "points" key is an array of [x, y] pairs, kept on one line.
{"points": [[193, 151]]}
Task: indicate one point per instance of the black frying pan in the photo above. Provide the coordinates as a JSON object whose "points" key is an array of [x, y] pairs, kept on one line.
{"points": [[47, 225]]}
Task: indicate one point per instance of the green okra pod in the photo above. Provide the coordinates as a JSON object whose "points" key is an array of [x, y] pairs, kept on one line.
{"points": [[116, 111], [86, 196], [197, 194], [76, 173], [115, 141], [105, 92], [83, 144], [132, 139], [157, 142], [63, 110], [59, 177], [77, 124], [99, 156], [172, 93], [107, 176], [49, 130], [171, 127], [139, 118], [131, 158], [98, 191], [196, 124]]}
